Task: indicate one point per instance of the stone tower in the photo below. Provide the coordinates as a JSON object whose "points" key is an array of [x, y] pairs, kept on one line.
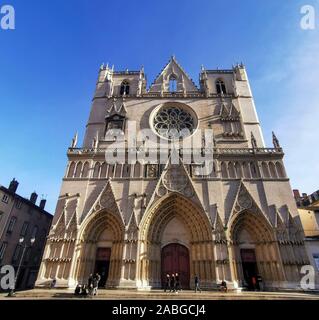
{"points": [[135, 222]]}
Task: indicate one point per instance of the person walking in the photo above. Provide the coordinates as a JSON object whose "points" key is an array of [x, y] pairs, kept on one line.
{"points": [[177, 283], [96, 280], [90, 284], [167, 283], [172, 283], [197, 287]]}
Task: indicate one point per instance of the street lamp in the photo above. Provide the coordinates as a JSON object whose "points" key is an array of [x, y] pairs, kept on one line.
{"points": [[21, 241]]}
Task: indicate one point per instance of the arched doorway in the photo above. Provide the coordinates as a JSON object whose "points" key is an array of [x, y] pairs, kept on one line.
{"points": [[178, 220], [255, 253], [101, 248], [175, 259]]}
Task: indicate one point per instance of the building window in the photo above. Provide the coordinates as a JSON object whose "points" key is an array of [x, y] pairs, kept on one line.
{"points": [[11, 225], [34, 232], [125, 88], [5, 198], [172, 84], [220, 87], [16, 254], [3, 248], [24, 229], [1, 214], [316, 259], [27, 255], [19, 204]]}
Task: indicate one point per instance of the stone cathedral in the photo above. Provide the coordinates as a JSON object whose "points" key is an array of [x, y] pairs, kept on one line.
{"points": [[135, 222]]}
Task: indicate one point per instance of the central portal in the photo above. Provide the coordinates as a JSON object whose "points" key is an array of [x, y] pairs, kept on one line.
{"points": [[175, 259]]}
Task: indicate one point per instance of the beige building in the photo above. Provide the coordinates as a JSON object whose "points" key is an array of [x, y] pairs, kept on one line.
{"points": [[134, 223], [22, 218], [308, 207]]}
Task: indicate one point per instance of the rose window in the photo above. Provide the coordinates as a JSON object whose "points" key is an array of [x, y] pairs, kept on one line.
{"points": [[173, 122]]}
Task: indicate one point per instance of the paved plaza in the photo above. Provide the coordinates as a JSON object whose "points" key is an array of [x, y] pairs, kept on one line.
{"points": [[45, 294]]}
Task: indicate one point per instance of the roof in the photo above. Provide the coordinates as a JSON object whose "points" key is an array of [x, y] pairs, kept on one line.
{"points": [[26, 201]]}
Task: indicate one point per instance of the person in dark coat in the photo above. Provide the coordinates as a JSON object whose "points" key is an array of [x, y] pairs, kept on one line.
{"points": [[77, 290], [177, 282], [172, 283], [96, 280], [167, 283], [90, 284], [197, 287], [84, 291]]}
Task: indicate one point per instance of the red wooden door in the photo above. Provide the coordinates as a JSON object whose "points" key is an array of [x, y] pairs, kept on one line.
{"points": [[175, 259]]}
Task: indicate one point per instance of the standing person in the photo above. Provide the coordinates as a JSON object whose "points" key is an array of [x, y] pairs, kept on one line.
{"points": [[96, 280], [260, 283], [197, 287], [253, 281], [177, 283], [172, 283], [90, 284], [53, 284], [167, 283]]}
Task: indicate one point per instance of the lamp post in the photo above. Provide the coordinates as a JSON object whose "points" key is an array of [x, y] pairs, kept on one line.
{"points": [[25, 246]]}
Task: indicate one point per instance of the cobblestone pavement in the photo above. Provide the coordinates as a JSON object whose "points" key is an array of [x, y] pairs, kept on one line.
{"points": [[45, 294]]}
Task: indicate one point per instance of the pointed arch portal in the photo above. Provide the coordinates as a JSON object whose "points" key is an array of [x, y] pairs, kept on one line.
{"points": [[101, 247], [191, 241]]}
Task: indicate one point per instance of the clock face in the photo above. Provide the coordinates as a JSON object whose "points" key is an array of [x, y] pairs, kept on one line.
{"points": [[173, 122]]}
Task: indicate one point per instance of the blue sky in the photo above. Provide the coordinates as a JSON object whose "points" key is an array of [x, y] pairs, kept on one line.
{"points": [[49, 65]]}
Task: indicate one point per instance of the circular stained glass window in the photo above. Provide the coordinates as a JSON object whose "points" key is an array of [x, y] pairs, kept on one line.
{"points": [[173, 123]]}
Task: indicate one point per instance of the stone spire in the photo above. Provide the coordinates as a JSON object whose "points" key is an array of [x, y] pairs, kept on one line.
{"points": [[275, 141], [74, 140], [253, 141]]}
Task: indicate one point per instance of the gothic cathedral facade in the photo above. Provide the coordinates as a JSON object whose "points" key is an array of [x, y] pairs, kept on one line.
{"points": [[135, 222]]}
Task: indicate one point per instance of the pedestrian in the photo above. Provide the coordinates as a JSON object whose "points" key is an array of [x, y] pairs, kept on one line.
{"points": [[84, 291], [260, 283], [90, 284], [77, 290], [197, 287], [253, 281], [177, 283], [172, 283], [167, 283], [96, 280], [53, 283], [223, 286]]}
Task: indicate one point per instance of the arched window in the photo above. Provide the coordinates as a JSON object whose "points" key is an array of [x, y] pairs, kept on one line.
{"points": [[172, 84], [137, 170], [96, 171], [85, 171], [110, 172], [103, 170], [71, 169], [265, 170], [280, 170], [220, 87], [253, 170], [78, 170], [246, 170], [126, 170], [118, 170], [125, 88], [231, 170], [272, 168], [224, 170], [238, 170]]}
